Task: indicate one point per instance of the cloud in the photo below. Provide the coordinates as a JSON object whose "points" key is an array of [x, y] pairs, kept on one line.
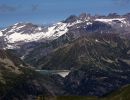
{"points": [[35, 7], [7, 8]]}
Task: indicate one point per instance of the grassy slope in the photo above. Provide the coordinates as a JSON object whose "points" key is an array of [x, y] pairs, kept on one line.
{"points": [[121, 94]]}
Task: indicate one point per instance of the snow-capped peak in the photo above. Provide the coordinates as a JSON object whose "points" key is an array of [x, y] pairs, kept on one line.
{"points": [[27, 32]]}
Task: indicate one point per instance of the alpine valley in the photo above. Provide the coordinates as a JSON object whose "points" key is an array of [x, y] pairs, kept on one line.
{"points": [[83, 57]]}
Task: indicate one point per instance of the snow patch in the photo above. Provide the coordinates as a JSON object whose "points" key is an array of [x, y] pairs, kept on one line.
{"points": [[1, 34], [20, 27], [4, 29], [97, 40], [111, 20], [16, 24], [39, 28]]}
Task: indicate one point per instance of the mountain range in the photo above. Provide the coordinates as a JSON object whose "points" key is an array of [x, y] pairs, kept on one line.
{"points": [[94, 49]]}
